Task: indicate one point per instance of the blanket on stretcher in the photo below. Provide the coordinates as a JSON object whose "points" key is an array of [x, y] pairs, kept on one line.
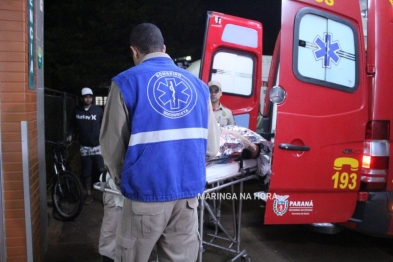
{"points": [[234, 140]]}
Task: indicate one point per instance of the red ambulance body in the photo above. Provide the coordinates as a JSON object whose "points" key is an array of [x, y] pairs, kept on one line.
{"points": [[327, 109]]}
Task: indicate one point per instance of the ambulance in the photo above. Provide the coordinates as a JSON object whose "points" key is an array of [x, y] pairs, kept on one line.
{"points": [[328, 107]]}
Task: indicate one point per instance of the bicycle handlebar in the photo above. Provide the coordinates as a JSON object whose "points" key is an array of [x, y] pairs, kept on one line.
{"points": [[59, 145], [58, 142]]}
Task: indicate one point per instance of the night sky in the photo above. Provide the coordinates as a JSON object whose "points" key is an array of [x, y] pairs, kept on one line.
{"points": [[87, 42]]}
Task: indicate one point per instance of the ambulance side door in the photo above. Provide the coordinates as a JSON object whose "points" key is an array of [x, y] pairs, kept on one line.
{"points": [[320, 113]]}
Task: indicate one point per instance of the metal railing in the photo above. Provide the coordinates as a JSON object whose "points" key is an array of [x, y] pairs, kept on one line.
{"points": [[58, 109]]}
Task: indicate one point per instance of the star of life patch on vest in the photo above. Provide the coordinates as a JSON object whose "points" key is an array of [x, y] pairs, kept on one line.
{"points": [[171, 94]]}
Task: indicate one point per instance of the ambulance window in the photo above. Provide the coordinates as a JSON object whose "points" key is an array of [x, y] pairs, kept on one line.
{"points": [[325, 51], [234, 72], [240, 35]]}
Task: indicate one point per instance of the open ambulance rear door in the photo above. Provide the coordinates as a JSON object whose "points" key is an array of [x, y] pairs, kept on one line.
{"points": [[319, 117], [233, 56]]}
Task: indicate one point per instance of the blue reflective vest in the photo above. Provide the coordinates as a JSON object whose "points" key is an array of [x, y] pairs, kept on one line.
{"points": [[168, 110]]}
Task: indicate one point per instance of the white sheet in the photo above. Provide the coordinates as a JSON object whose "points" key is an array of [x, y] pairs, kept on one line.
{"points": [[225, 171]]}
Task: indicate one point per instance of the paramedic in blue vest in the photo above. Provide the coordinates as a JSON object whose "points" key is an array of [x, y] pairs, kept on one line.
{"points": [[224, 115], [86, 123], [157, 131]]}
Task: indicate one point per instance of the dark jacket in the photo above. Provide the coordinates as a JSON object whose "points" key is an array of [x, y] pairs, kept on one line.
{"points": [[86, 124]]}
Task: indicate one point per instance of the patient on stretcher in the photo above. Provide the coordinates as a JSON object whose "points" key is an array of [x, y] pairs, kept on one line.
{"points": [[241, 142], [234, 140]]}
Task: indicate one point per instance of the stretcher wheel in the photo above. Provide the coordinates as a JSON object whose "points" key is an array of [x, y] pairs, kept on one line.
{"points": [[246, 258]]}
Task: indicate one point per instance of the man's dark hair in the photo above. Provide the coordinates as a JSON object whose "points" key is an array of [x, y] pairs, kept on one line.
{"points": [[147, 38]]}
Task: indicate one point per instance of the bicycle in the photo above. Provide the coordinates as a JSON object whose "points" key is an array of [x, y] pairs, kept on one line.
{"points": [[66, 188]]}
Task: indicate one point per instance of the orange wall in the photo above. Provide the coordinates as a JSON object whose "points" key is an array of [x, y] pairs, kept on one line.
{"points": [[17, 103]]}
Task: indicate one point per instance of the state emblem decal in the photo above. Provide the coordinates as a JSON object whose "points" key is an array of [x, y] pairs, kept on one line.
{"points": [[280, 205]]}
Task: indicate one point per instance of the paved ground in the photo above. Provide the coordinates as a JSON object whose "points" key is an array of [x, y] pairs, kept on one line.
{"points": [[77, 241]]}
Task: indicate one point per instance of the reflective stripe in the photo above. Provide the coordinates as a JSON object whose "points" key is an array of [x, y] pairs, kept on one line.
{"points": [[167, 135]]}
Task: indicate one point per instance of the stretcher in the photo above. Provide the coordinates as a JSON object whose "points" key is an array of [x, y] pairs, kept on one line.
{"points": [[218, 177]]}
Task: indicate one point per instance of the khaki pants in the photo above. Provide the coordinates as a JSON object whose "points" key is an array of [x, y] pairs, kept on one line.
{"points": [[110, 221], [171, 226]]}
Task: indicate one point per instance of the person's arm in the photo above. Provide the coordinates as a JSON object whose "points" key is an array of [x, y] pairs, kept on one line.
{"points": [[231, 119], [115, 133], [72, 127], [101, 117], [213, 133]]}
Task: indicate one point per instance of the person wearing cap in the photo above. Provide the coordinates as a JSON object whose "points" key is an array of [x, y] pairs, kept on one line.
{"points": [[86, 123], [223, 115]]}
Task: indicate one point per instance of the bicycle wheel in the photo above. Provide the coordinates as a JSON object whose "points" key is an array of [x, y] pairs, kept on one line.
{"points": [[68, 196]]}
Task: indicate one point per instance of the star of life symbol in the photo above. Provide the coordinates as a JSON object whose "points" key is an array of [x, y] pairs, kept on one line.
{"points": [[171, 94], [280, 205], [327, 50]]}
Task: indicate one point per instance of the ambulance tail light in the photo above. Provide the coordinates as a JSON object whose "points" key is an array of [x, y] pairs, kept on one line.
{"points": [[375, 162]]}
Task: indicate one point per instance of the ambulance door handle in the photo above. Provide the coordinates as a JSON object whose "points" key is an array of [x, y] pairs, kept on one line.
{"points": [[293, 147]]}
